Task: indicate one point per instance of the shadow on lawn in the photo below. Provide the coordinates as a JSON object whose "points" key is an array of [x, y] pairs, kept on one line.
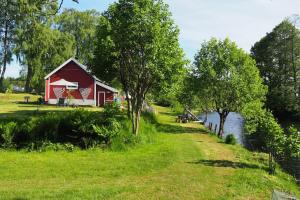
{"points": [[177, 129], [26, 113], [228, 163]]}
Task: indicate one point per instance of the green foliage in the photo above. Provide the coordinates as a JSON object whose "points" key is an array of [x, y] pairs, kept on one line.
{"points": [[140, 40], [49, 146], [104, 61], [8, 17], [230, 139], [177, 107], [266, 133], [111, 110], [6, 132], [291, 144], [42, 49], [80, 128], [222, 70], [277, 56], [82, 26]]}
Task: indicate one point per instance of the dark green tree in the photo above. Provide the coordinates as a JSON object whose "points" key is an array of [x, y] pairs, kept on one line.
{"points": [[104, 63], [278, 57]]}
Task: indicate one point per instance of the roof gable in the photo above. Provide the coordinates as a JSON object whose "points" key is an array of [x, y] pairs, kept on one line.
{"points": [[67, 62], [84, 68]]}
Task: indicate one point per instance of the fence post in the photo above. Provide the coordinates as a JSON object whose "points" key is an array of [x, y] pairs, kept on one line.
{"points": [[216, 128]]}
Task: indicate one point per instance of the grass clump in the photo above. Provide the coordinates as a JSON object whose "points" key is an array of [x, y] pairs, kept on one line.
{"points": [[230, 139]]}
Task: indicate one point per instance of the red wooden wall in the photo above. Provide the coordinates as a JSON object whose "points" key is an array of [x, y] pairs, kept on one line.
{"points": [[73, 73]]}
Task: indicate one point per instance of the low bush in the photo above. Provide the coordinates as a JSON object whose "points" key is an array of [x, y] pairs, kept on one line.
{"points": [[80, 128], [230, 139], [75, 129]]}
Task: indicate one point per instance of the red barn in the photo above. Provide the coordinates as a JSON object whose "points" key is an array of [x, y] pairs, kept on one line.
{"points": [[72, 82]]}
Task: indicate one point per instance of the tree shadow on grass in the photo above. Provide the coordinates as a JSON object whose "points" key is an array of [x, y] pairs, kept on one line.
{"points": [[228, 163], [177, 129]]}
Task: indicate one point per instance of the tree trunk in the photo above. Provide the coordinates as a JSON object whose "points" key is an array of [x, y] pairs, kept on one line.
{"points": [[137, 121], [206, 116], [223, 116], [28, 78], [128, 104], [5, 45]]}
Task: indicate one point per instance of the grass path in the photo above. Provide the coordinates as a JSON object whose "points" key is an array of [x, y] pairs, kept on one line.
{"points": [[183, 163]]}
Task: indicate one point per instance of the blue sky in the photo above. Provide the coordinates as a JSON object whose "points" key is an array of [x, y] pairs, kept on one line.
{"points": [[243, 21]]}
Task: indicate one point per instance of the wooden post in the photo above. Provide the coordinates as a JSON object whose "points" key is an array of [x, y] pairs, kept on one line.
{"points": [[216, 128]]}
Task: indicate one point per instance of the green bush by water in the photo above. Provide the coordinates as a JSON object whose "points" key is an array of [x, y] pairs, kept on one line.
{"points": [[230, 139]]}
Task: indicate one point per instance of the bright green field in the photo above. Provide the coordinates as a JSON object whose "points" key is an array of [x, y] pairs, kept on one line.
{"points": [[12, 105], [183, 162]]}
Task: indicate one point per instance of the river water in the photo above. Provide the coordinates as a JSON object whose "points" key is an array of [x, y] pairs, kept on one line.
{"points": [[234, 124]]}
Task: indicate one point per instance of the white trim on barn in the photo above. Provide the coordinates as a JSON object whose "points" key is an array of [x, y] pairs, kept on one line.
{"points": [[95, 88], [88, 102], [107, 87], [49, 87], [104, 97]]}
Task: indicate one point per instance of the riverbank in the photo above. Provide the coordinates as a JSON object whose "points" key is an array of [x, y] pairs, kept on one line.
{"points": [[182, 162]]}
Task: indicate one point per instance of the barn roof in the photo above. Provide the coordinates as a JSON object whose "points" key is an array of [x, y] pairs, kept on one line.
{"points": [[98, 81], [68, 61], [106, 87]]}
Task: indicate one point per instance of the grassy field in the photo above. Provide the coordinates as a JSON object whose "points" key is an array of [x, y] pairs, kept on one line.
{"points": [[183, 162], [13, 105]]}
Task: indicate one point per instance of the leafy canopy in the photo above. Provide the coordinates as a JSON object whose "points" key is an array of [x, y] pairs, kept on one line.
{"points": [[228, 75]]}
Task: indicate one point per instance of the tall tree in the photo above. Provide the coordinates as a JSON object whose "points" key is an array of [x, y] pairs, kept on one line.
{"points": [[224, 70], [146, 48], [278, 58], [8, 16], [104, 62], [38, 47], [82, 25]]}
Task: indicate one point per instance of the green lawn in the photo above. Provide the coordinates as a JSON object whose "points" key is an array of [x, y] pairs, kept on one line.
{"points": [[183, 162], [13, 105]]}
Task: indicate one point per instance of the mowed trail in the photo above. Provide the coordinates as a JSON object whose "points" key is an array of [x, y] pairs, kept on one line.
{"points": [[194, 175], [184, 162]]}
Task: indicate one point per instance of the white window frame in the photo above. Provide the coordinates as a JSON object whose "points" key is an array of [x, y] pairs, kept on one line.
{"points": [[72, 87]]}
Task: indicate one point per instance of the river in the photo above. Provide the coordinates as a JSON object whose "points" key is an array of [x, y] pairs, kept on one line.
{"points": [[234, 124]]}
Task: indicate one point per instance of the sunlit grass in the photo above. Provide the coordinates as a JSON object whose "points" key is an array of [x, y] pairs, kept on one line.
{"points": [[187, 165], [13, 105]]}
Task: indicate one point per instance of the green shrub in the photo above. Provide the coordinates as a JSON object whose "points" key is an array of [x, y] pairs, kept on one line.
{"points": [[46, 127], [177, 107], [78, 128], [163, 101], [49, 146], [7, 134], [150, 117], [111, 110], [230, 139]]}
